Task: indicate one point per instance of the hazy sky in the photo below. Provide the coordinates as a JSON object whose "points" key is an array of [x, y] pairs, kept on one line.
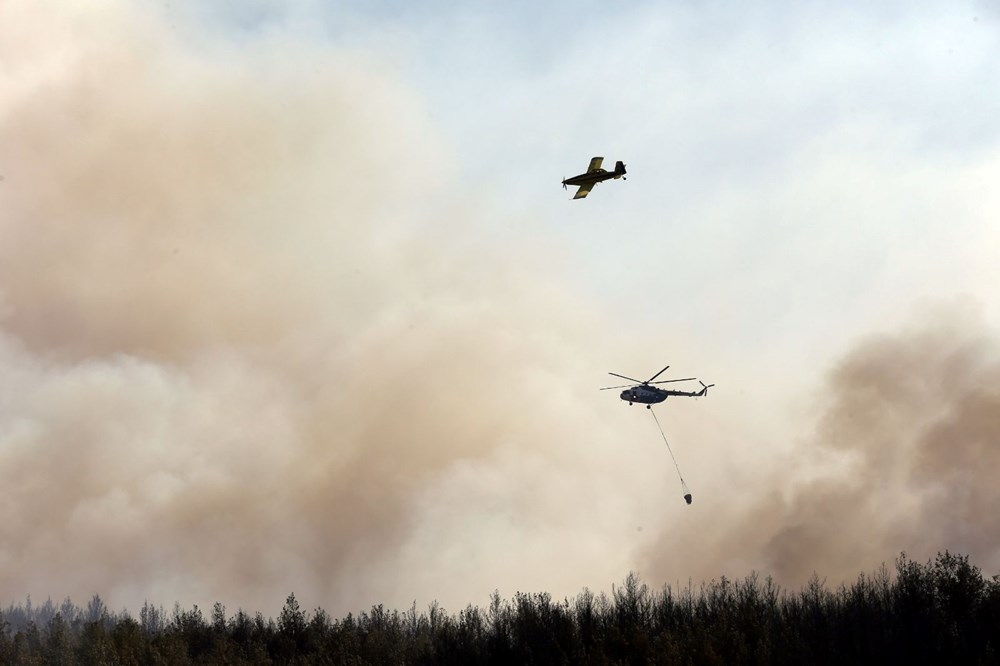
{"points": [[291, 298]]}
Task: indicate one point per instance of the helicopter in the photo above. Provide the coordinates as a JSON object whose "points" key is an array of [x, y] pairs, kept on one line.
{"points": [[647, 394]]}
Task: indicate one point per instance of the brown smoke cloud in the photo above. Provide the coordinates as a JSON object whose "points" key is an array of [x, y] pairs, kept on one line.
{"points": [[246, 338], [904, 458]]}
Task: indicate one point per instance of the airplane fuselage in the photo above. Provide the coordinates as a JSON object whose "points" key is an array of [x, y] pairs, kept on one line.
{"points": [[598, 176]]}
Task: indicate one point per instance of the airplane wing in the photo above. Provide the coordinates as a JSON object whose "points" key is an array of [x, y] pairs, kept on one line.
{"points": [[584, 190], [595, 164]]}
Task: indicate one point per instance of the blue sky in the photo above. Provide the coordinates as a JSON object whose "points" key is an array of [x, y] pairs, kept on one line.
{"points": [[831, 136], [797, 176]]}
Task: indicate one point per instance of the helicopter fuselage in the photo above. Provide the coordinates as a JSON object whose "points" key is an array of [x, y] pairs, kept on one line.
{"points": [[646, 395]]}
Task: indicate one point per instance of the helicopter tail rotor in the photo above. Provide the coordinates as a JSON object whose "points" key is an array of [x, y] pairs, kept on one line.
{"points": [[704, 388]]}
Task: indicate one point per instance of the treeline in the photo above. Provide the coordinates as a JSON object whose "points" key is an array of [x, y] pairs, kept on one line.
{"points": [[943, 611]]}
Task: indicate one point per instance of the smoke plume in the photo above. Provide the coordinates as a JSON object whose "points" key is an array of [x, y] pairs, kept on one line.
{"points": [[903, 458], [250, 345]]}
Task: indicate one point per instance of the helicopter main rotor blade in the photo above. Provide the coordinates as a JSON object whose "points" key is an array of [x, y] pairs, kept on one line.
{"points": [[624, 377], [656, 375], [667, 381], [614, 387]]}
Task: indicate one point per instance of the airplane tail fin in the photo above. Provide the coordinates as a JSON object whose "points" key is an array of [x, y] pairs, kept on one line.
{"points": [[619, 169]]}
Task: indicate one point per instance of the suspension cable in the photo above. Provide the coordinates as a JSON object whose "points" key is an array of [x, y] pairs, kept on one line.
{"points": [[684, 487]]}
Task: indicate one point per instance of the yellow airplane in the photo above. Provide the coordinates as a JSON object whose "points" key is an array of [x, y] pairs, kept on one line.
{"points": [[595, 174]]}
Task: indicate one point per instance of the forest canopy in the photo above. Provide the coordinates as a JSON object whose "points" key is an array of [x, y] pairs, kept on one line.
{"points": [[943, 610]]}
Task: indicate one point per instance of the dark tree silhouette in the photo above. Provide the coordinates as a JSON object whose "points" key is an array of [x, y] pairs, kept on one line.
{"points": [[944, 611]]}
